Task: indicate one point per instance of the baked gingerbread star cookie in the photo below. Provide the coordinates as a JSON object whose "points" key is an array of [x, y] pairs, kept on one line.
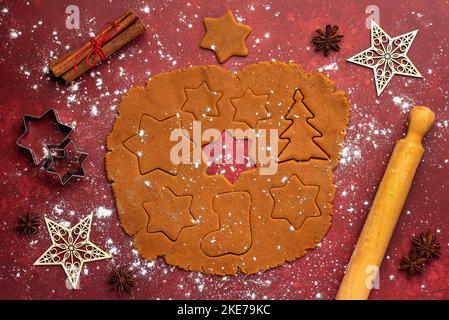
{"points": [[255, 210]]}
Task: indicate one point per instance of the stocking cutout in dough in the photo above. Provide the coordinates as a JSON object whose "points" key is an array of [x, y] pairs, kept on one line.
{"points": [[250, 108], [201, 102], [234, 235], [169, 213], [301, 133], [295, 202], [152, 145]]}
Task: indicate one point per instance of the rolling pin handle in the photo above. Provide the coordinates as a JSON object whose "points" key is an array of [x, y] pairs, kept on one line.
{"points": [[420, 121]]}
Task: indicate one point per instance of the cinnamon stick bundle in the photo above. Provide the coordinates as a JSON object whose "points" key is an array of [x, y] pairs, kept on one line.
{"points": [[116, 35]]}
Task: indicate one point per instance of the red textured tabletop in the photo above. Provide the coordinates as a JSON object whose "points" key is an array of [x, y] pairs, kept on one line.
{"points": [[34, 32]]}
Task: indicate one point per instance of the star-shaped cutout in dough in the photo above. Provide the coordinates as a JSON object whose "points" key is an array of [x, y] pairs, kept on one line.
{"points": [[169, 213], [295, 202], [387, 56], [201, 101], [225, 37], [152, 145], [250, 108], [229, 157], [71, 248]]}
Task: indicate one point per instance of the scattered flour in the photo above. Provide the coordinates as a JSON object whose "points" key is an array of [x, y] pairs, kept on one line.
{"points": [[146, 9], [94, 111], [57, 209], [102, 212], [404, 103], [14, 34], [329, 67]]}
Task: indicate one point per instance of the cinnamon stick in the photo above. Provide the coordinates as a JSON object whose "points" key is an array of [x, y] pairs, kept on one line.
{"points": [[66, 62], [127, 27]]}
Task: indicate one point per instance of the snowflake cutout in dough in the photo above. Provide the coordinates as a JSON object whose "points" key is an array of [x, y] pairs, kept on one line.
{"points": [[387, 56], [71, 248]]}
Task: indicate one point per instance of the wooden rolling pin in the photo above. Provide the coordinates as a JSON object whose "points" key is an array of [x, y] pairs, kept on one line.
{"points": [[387, 206]]}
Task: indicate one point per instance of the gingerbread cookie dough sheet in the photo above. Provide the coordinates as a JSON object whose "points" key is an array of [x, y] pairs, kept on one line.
{"points": [[203, 222]]}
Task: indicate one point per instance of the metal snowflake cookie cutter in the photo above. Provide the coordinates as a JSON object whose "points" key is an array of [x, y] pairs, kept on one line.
{"points": [[67, 131], [71, 155]]}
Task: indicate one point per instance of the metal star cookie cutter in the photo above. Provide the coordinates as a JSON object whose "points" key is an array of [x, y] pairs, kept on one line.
{"points": [[60, 152], [63, 127]]}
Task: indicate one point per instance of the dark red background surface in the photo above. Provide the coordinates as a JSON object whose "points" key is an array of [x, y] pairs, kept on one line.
{"points": [[281, 31]]}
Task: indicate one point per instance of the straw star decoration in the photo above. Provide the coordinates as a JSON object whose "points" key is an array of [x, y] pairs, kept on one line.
{"points": [[387, 56], [71, 248]]}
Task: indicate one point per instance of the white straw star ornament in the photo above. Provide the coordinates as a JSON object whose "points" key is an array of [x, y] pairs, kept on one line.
{"points": [[387, 56], [71, 248]]}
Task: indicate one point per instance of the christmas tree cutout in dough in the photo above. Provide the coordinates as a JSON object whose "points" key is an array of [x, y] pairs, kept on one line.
{"points": [[301, 134]]}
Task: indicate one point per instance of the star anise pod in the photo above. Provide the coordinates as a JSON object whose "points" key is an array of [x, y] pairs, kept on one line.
{"points": [[326, 40], [28, 225], [121, 280], [426, 245], [412, 263]]}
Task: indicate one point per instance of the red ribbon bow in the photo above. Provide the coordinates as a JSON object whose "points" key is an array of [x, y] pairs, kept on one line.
{"points": [[96, 43]]}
